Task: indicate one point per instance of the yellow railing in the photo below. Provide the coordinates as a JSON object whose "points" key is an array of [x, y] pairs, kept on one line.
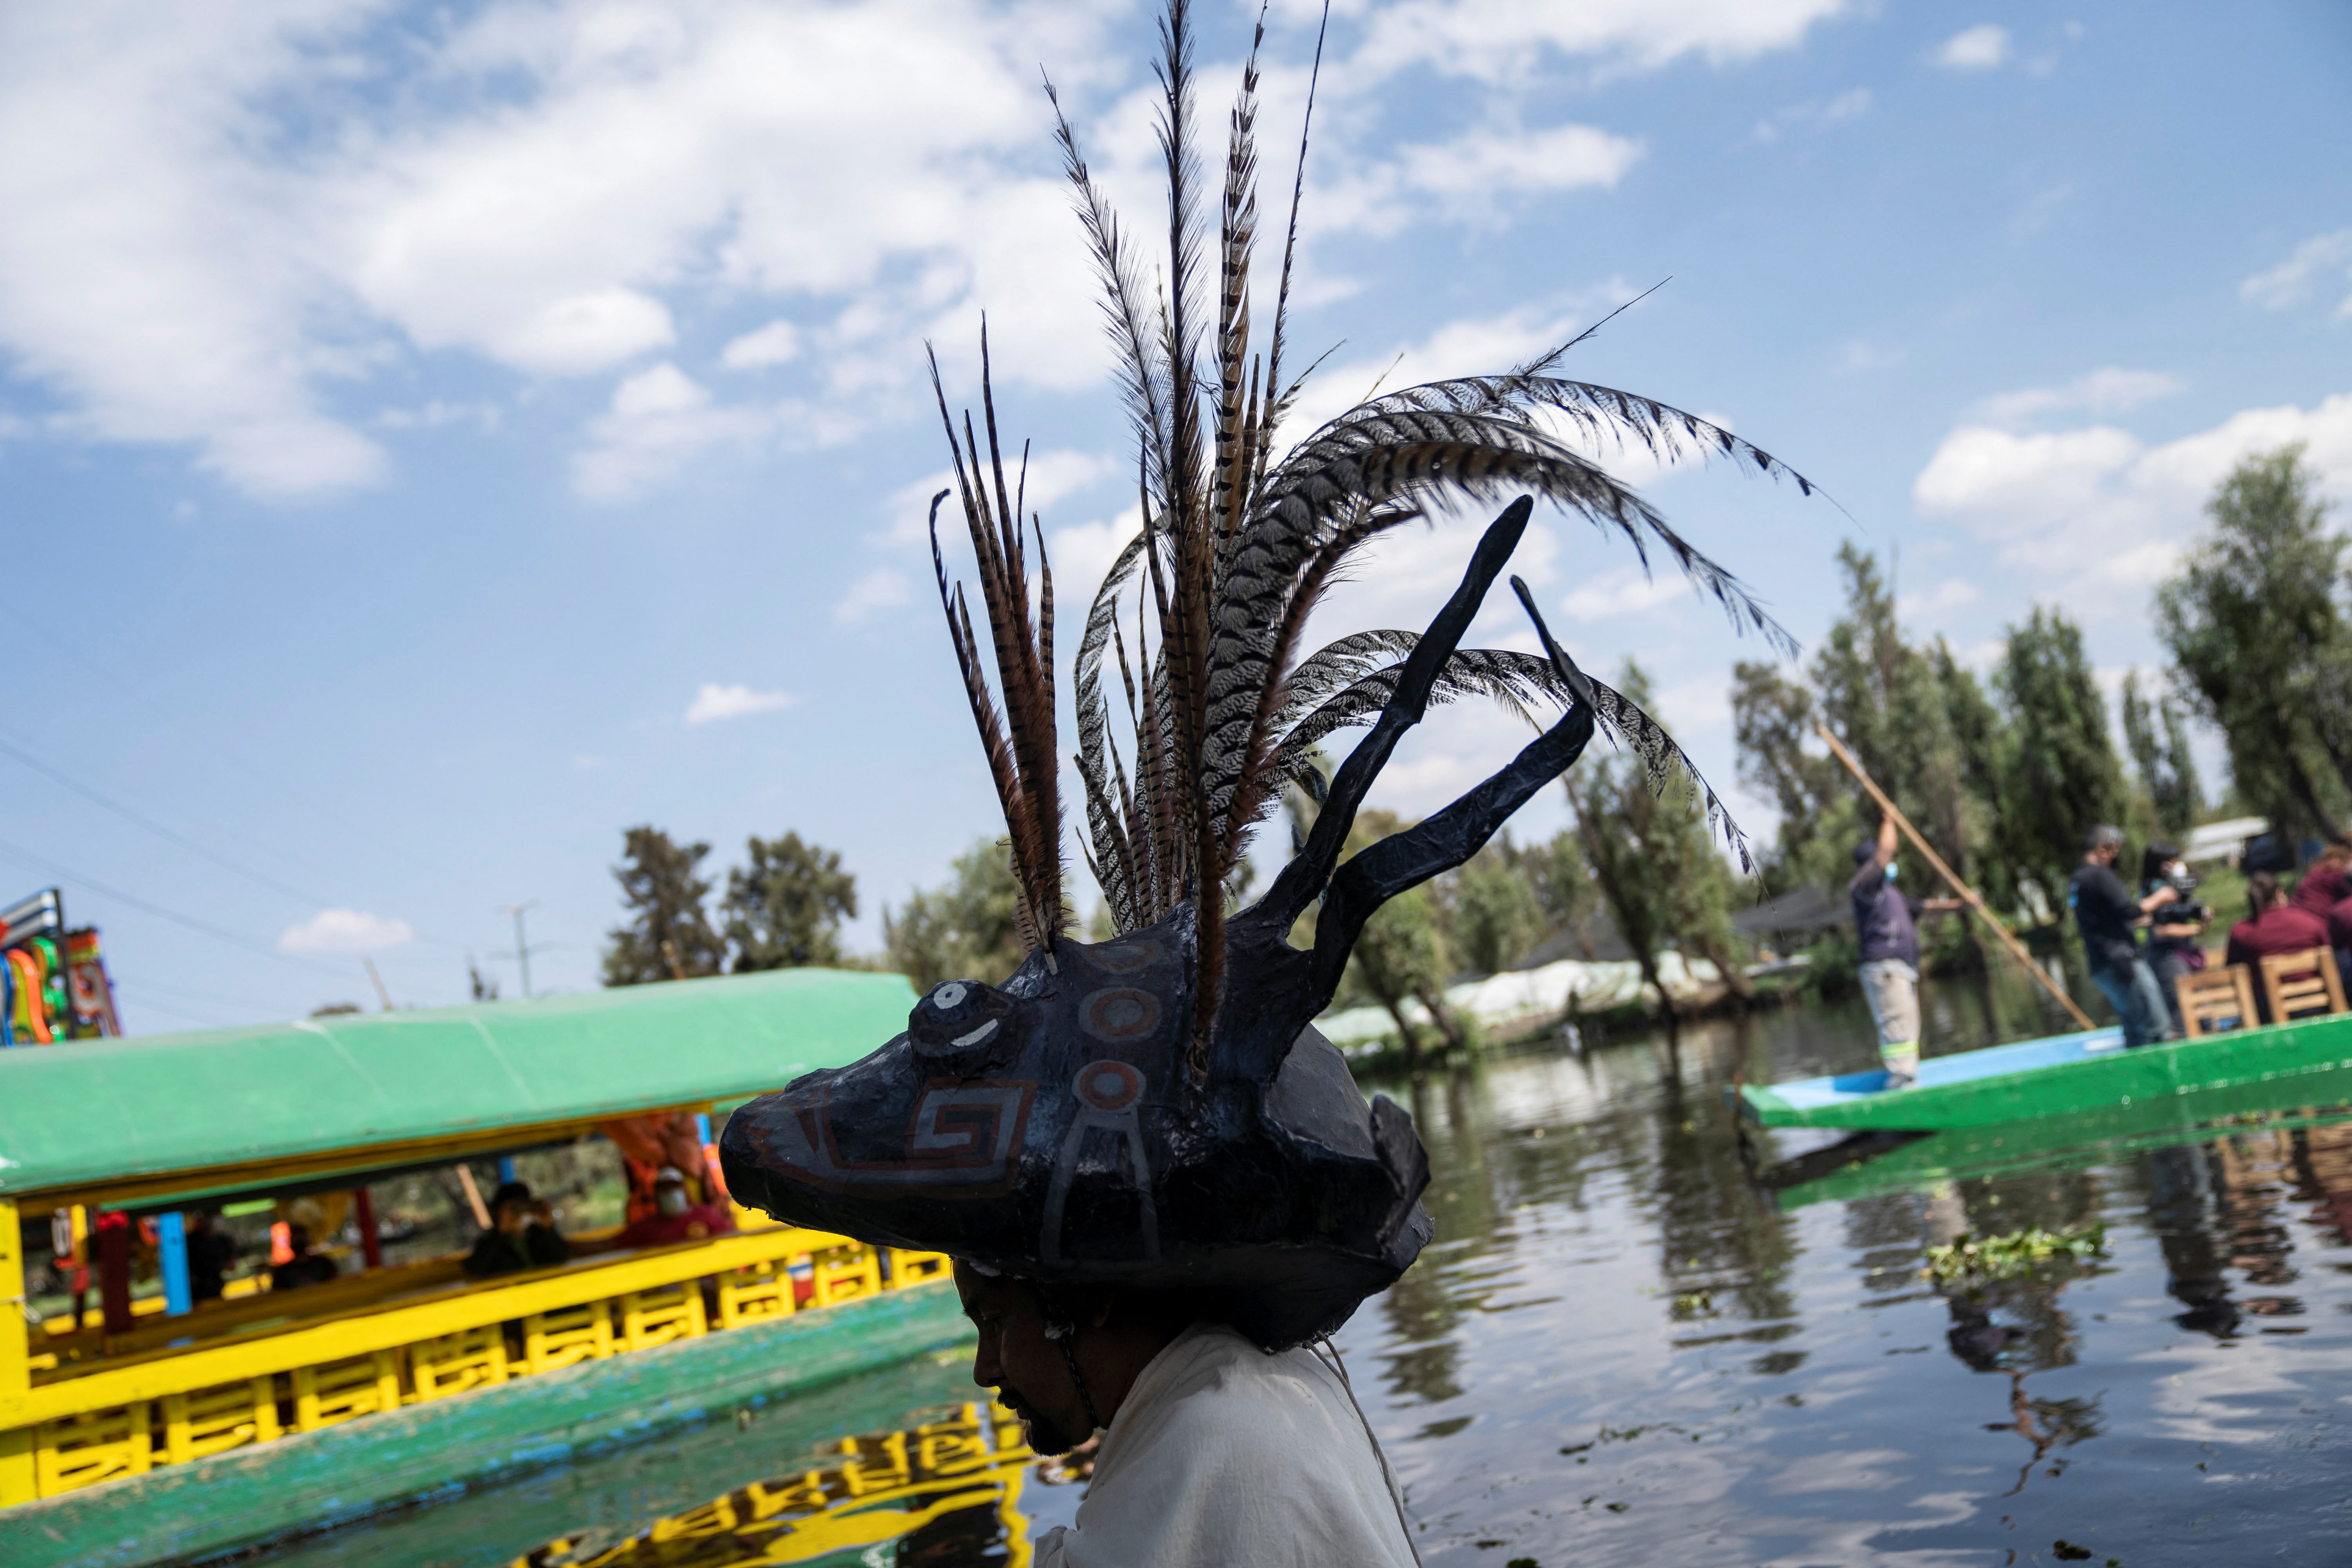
{"points": [[91, 1422]]}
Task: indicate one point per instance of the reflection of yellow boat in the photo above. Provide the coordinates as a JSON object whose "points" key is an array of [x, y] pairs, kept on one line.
{"points": [[148, 1127], [881, 1488]]}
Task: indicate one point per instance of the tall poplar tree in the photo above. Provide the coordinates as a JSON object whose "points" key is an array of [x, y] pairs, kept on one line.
{"points": [[783, 910], [2063, 776], [667, 935]]}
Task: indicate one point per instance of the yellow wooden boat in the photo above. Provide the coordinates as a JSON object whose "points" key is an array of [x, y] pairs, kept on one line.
{"points": [[152, 1128]]}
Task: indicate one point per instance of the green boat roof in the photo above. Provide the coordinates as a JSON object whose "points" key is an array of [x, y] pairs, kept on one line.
{"points": [[350, 1089]]}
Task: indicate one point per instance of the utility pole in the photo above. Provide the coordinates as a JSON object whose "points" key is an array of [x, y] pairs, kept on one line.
{"points": [[522, 949]]}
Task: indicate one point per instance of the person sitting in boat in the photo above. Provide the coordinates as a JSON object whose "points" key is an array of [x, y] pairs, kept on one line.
{"points": [[2173, 950], [676, 1217], [305, 1268], [212, 1253], [1885, 921], [2274, 926], [522, 1235], [2109, 917]]}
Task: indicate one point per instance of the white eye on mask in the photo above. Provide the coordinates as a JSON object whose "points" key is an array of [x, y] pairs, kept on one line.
{"points": [[671, 1201]]}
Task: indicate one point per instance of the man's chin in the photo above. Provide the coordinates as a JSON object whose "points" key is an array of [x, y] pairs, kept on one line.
{"points": [[1045, 1439]]}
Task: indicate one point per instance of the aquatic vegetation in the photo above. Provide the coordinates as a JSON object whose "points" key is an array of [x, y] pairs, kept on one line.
{"points": [[1967, 1258]]}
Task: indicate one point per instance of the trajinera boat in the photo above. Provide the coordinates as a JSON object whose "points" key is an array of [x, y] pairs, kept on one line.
{"points": [[106, 1144], [2063, 1075]]}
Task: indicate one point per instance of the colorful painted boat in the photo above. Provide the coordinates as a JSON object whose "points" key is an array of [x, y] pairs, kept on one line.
{"points": [[146, 1128], [2062, 1076]]}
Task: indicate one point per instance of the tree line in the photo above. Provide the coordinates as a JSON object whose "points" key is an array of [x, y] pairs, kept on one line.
{"points": [[2000, 772]]}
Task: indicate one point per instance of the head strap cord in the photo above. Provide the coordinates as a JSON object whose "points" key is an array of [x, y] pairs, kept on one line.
{"points": [[1063, 1332]]}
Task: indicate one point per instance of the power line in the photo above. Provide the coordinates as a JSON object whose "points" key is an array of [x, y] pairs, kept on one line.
{"points": [[307, 899], [152, 825], [41, 865]]}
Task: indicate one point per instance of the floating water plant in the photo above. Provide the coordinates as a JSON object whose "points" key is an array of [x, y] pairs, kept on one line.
{"points": [[1968, 1257]]}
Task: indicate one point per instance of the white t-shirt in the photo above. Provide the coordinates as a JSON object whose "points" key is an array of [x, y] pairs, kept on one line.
{"points": [[1224, 1456]]}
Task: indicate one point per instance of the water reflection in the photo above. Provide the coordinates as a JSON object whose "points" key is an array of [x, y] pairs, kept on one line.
{"points": [[946, 1492], [1621, 1346]]}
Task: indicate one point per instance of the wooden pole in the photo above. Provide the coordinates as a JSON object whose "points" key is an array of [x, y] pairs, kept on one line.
{"points": [[1967, 894]]}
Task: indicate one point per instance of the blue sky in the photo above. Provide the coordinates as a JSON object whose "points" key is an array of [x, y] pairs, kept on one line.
{"points": [[433, 440]]}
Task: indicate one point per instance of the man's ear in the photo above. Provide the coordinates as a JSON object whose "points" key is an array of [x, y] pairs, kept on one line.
{"points": [[1099, 1311]]}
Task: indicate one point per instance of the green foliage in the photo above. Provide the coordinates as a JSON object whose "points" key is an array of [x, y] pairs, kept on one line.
{"points": [[1654, 860], [2063, 776], [964, 931], [1969, 1259], [1891, 704], [785, 910], [1772, 719], [2258, 641], [1493, 915], [667, 935], [2158, 743]]}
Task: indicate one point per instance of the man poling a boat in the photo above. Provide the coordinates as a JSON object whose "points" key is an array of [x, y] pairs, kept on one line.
{"points": [[1161, 1187], [1885, 925]]}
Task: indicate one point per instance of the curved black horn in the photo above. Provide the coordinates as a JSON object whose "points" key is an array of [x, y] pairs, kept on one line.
{"points": [[1311, 869]]}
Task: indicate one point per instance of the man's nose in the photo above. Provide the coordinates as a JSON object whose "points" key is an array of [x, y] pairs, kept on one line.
{"points": [[985, 1371]]}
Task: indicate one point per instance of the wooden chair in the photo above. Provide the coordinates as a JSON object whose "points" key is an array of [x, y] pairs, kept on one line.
{"points": [[2301, 985], [2213, 999]]}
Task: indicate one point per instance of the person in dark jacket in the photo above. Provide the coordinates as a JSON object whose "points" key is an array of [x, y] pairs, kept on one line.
{"points": [[2109, 918], [523, 1236], [212, 1253], [1885, 922]]}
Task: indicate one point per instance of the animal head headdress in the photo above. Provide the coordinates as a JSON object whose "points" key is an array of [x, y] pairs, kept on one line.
{"points": [[1157, 1109]]}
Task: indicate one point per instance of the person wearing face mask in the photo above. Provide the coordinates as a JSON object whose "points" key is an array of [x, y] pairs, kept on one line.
{"points": [[677, 1215], [1885, 922], [522, 1235]]}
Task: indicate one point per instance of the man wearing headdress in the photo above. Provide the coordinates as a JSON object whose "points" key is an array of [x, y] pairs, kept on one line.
{"points": [[1162, 1188]]}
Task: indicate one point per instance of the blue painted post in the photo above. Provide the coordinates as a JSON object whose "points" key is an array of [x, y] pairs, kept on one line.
{"points": [[702, 1128], [506, 1169], [172, 1242]]}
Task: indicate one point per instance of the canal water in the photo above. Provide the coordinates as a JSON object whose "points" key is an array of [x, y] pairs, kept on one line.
{"points": [[1638, 1339]]}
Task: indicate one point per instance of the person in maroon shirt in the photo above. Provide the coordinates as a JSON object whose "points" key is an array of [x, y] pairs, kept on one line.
{"points": [[2327, 883], [675, 1216], [2277, 926]]}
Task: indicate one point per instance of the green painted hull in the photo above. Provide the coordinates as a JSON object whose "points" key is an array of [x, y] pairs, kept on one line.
{"points": [[2299, 1099], [2056, 1078], [319, 1479]]}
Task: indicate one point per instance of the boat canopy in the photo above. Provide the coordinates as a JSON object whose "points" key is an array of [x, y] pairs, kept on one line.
{"points": [[130, 1120]]}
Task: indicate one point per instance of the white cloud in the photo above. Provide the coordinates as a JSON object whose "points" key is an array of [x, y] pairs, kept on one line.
{"points": [[1627, 591], [1981, 48], [207, 220], [778, 343], [152, 277], [1484, 163], [715, 702], [2291, 281], [2080, 514], [2109, 391], [584, 332], [880, 589], [1851, 104], [660, 420], [344, 932], [1489, 42]]}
